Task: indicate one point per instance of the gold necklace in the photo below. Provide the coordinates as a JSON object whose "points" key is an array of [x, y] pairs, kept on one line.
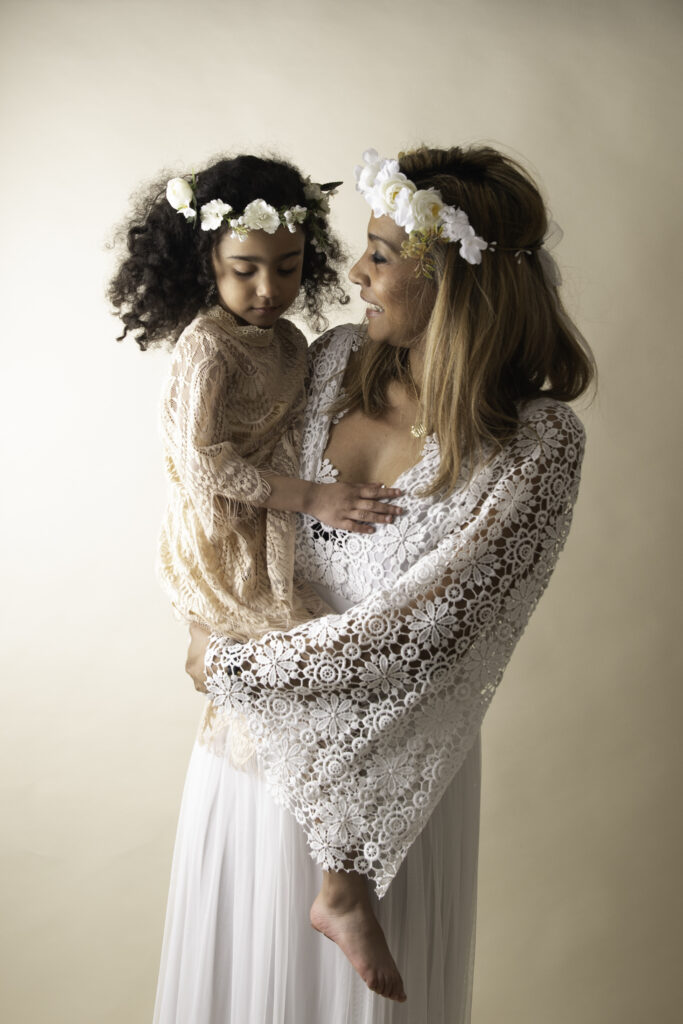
{"points": [[418, 428]]}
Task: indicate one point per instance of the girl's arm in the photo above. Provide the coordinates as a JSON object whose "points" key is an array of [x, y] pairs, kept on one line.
{"points": [[221, 482], [343, 506]]}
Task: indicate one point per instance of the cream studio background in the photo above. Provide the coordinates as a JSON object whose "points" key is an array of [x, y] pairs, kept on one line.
{"points": [[580, 855]]}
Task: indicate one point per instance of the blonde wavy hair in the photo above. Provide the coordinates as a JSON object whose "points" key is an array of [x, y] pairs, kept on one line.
{"points": [[497, 333]]}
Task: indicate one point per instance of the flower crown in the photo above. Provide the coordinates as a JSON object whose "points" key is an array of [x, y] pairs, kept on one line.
{"points": [[422, 212], [258, 215]]}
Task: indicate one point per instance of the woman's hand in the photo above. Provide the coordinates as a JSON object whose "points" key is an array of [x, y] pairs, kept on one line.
{"points": [[194, 665], [352, 507]]}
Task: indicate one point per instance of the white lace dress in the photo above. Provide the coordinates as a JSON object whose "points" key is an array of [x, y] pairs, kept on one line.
{"points": [[367, 731]]}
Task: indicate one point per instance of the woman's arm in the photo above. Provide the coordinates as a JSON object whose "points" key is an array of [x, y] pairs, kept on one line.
{"points": [[498, 561], [362, 719]]}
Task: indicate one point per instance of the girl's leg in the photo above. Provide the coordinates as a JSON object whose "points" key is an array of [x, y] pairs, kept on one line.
{"points": [[342, 911]]}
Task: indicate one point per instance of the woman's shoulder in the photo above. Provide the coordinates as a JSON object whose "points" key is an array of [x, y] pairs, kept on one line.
{"points": [[548, 444], [553, 420], [337, 335], [332, 349]]}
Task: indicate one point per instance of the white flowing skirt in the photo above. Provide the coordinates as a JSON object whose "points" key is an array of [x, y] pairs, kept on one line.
{"points": [[238, 947]]}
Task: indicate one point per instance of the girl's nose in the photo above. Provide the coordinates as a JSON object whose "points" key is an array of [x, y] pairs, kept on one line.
{"points": [[266, 287]]}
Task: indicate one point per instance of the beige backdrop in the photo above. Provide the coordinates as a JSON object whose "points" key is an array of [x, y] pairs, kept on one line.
{"points": [[581, 838]]}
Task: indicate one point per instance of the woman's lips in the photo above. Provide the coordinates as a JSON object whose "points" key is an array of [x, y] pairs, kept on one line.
{"points": [[373, 310]]}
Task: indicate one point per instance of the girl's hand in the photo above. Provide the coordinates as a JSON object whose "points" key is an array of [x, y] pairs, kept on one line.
{"points": [[352, 506], [194, 665]]}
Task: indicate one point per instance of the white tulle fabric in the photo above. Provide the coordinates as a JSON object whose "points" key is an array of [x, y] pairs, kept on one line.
{"points": [[362, 719], [238, 946]]}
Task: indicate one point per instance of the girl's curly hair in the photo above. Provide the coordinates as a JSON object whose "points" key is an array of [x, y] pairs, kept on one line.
{"points": [[165, 274]]}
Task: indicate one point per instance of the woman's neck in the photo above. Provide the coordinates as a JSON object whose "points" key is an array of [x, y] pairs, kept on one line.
{"points": [[416, 364]]}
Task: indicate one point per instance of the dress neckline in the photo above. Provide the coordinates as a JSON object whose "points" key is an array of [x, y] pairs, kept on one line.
{"points": [[326, 466], [259, 337]]}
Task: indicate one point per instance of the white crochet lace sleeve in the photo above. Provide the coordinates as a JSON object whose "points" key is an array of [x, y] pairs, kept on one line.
{"points": [[210, 471], [361, 719]]}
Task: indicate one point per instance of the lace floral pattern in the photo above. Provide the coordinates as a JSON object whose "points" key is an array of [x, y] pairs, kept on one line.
{"points": [[231, 410], [361, 719]]}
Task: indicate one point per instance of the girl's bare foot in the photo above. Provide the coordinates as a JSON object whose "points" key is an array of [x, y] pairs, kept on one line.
{"points": [[342, 911]]}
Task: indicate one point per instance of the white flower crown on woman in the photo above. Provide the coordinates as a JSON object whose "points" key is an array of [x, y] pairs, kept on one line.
{"points": [[258, 215], [421, 211]]}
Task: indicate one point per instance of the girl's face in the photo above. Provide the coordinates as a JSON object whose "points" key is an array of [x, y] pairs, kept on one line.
{"points": [[399, 300], [258, 279]]}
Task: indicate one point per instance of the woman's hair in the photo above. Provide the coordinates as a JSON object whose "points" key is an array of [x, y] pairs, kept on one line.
{"points": [[497, 333], [165, 275]]}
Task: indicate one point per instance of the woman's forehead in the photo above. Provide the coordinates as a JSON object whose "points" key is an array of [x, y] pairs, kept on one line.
{"points": [[383, 229]]}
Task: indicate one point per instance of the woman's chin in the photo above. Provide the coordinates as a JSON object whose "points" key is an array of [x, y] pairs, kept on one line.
{"points": [[377, 331], [384, 336]]}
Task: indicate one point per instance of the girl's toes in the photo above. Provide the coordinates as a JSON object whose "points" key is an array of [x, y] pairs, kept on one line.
{"points": [[397, 991]]}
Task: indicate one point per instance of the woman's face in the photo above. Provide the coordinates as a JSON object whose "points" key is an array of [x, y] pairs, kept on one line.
{"points": [[399, 299], [259, 278]]}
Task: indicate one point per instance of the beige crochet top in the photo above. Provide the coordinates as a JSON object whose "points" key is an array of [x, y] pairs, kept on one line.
{"points": [[231, 411]]}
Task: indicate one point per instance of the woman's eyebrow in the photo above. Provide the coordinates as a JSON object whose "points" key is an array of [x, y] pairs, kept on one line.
{"points": [[260, 259], [378, 238]]}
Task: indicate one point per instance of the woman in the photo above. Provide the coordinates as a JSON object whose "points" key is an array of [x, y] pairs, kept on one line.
{"points": [[367, 722]]}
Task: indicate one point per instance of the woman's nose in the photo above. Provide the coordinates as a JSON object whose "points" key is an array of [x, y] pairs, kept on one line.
{"points": [[356, 274]]}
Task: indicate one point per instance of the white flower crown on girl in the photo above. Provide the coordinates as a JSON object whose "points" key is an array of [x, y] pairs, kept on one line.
{"points": [[422, 212], [258, 215]]}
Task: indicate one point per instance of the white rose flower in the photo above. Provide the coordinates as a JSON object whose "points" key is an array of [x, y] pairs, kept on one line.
{"points": [[402, 214], [425, 208], [261, 216], [367, 171], [213, 214], [295, 215], [471, 246], [389, 169], [179, 193], [386, 192], [455, 223]]}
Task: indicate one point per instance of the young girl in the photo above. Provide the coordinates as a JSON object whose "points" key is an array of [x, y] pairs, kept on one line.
{"points": [[211, 266]]}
